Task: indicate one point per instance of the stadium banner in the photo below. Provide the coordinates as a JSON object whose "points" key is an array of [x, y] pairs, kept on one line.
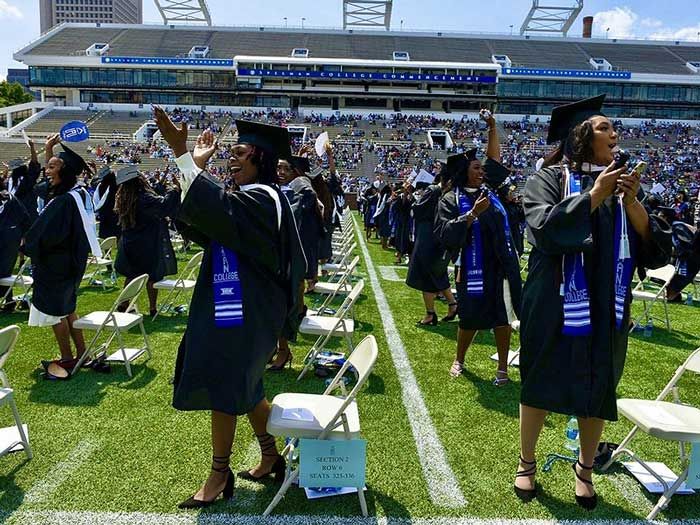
{"points": [[163, 61], [357, 75], [563, 73]]}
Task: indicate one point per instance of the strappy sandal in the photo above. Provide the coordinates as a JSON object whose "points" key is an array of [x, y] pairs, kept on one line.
{"points": [[501, 381], [452, 316], [226, 492], [526, 495], [267, 448], [587, 502], [456, 369]]}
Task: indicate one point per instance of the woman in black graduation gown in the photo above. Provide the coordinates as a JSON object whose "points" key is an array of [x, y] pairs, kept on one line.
{"points": [[14, 222], [58, 244], [144, 246], [427, 269], [403, 222], [320, 186], [381, 216], [103, 201], [246, 294], [23, 180], [472, 221], [371, 200], [576, 301]]}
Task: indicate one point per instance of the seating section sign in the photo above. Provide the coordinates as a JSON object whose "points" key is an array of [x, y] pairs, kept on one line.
{"points": [[694, 470], [325, 463]]}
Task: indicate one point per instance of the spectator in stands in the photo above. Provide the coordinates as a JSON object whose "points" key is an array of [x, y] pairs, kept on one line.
{"points": [[144, 245], [573, 347]]}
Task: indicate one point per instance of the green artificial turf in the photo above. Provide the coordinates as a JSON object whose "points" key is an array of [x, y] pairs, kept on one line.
{"points": [[142, 455]]}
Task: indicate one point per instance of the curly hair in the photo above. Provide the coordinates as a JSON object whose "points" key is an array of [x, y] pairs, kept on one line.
{"points": [[127, 199]]}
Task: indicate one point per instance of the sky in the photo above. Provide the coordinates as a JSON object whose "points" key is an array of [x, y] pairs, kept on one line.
{"points": [[667, 19]]}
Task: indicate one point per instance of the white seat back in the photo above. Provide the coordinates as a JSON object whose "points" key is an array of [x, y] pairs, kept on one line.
{"points": [[192, 266], [693, 362], [107, 246], [362, 359], [8, 338], [131, 292], [665, 273]]}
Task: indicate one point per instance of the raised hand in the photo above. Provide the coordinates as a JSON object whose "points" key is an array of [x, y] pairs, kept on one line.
{"points": [[204, 148], [481, 204], [52, 140], [174, 136]]}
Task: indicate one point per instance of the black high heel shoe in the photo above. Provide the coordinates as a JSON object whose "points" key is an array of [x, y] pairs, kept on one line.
{"points": [[433, 320], [227, 491], [450, 317], [526, 495], [587, 502], [279, 368], [267, 448]]}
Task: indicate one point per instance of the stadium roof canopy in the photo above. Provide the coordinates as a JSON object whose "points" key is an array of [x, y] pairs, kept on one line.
{"points": [[227, 42]]}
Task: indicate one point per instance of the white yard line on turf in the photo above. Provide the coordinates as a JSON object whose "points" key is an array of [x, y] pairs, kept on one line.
{"points": [[60, 473], [187, 518], [441, 482]]}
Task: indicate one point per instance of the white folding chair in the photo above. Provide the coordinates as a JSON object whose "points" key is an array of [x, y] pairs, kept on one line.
{"points": [[345, 276], [334, 418], [513, 355], [16, 437], [100, 264], [339, 261], [669, 421], [650, 292], [326, 327], [185, 281], [341, 286], [24, 281], [115, 324]]}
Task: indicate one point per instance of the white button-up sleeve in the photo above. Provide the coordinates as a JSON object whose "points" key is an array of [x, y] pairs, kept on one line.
{"points": [[188, 172]]}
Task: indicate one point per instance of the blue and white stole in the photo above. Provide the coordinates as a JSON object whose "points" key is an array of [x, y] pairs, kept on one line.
{"points": [[574, 287], [226, 281], [472, 254]]}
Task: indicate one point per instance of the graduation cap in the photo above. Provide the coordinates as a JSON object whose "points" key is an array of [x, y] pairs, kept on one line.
{"points": [[457, 163], [72, 162], [15, 163], [314, 173], [300, 163], [104, 171], [274, 139], [567, 117], [496, 173], [127, 173]]}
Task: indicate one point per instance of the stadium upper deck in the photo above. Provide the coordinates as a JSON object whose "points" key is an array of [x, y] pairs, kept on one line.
{"points": [[254, 67]]}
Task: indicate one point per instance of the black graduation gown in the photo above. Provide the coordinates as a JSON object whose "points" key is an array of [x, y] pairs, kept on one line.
{"points": [[516, 217], [146, 248], [575, 375], [109, 221], [59, 248], [309, 224], [488, 310], [402, 239], [222, 368], [371, 203], [14, 222], [382, 220], [427, 270], [25, 191]]}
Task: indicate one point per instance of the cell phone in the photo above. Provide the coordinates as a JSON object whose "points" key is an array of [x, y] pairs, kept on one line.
{"points": [[622, 158], [639, 168]]}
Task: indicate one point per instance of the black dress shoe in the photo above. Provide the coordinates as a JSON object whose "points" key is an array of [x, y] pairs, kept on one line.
{"points": [[433, 320], [587, 502], [227, 493], [278, 470]]}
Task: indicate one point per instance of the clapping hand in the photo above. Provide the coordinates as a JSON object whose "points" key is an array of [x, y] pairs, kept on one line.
{"points": [[174, 136], [204, 148]]}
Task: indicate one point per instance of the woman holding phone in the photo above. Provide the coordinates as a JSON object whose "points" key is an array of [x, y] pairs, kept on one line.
{"points": [[589, 232]]}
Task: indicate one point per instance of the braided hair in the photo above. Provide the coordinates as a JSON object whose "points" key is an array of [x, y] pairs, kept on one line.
{"points": [[127, 199]]}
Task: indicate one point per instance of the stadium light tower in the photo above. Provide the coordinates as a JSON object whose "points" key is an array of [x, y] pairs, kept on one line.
{"points": [[551, 18], [370, 13], [183, 11]]}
